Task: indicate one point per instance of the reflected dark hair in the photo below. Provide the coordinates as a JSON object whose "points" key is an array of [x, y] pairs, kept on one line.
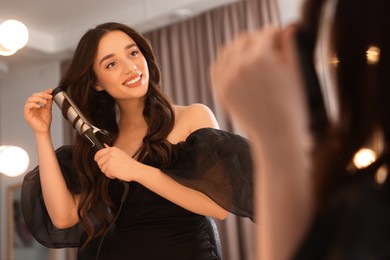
{"points": [[363, 90], [99, 108]]}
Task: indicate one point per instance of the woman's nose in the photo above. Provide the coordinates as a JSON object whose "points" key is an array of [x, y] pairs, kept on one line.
{"points": [[130, 67]]}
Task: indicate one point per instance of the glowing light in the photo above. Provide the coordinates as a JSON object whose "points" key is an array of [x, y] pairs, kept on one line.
{"points": [[13, 160], [364, 157], [334, 61], [13, 36], [373, 54], [381, 175]]}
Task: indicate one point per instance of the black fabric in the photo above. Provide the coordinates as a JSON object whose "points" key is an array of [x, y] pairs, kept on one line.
{"points": [[106, 248], [34, 210], [355, 224], [212, 161], [217, 163]]}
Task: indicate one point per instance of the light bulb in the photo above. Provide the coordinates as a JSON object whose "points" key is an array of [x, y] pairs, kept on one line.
{"points": [[13, 160], [13, 35]]}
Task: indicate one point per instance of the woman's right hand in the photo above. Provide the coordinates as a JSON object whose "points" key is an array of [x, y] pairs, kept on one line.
{"points": [[257, 78], [37, 111]]}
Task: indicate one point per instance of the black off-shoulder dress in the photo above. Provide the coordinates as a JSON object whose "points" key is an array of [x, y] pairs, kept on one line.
{"points": [[214, 162]]}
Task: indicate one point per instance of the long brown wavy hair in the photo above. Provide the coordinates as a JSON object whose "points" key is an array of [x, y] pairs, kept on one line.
{"points": [[99, 108], [363, 89]]}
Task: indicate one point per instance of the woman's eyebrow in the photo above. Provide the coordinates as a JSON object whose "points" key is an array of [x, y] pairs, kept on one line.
{"points": [[131, 45], [106, 57]]}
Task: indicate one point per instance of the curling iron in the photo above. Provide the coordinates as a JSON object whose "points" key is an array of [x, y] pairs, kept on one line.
{"points": [[88, 131], [77, 119]]}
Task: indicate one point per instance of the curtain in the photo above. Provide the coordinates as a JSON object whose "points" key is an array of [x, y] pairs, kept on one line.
{"points": [[185, 52]]}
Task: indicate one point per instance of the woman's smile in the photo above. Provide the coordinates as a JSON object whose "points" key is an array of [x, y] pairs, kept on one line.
{"points": [[133, 81]]}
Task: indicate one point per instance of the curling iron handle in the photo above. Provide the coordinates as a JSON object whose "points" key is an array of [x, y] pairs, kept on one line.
{"points": [[91, 138]]}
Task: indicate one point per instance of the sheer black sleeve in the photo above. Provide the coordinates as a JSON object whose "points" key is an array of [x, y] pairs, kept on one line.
{"points": [[218, 164], [34, 209]]}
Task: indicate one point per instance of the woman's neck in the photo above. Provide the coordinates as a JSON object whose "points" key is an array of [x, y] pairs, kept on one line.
{"points": [[131, 115]]}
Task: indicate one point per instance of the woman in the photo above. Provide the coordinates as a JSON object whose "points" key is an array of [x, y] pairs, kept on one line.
{"points": [[169, 155], [313, 202]]}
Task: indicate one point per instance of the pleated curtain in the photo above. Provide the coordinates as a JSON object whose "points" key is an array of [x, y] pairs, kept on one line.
{"points": [[185, 51]]}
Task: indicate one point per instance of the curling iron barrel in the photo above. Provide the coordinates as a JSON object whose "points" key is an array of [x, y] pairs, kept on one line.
{"points": [[76, 118]]}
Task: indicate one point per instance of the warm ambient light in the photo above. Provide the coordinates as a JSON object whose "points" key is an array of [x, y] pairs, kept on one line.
{"points": [[364, 157], [373, 54], [13, 160], [13, 37]]}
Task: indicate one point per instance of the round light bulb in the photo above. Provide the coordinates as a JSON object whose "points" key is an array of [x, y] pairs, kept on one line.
{"points": [[13, 160], [13, 35]]}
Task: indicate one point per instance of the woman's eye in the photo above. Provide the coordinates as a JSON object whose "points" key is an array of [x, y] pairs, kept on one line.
{"points": [[110, 65], [134, 53]]}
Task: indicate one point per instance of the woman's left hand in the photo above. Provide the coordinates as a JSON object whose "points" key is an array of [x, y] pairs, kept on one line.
{"points": [[117, 164]]}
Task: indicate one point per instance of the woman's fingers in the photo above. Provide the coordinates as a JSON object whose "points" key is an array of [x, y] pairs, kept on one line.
{"points": [[37, 100], [30, 105], [43, 94], [37, 111], [257, 73], [101, 153], [103, 159], [41, 98], [115, 163]]}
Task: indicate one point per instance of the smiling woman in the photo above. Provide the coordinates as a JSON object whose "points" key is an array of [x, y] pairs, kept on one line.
{"points": [[179, 167], [119, 62]]}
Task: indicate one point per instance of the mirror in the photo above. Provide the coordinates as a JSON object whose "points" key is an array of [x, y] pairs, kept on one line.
{"points": [[21, 244]]}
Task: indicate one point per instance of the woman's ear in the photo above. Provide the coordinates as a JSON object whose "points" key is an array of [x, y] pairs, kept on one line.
{"points": [[98, 87]]}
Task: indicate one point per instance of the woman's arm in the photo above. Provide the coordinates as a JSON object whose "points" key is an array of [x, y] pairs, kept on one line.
{"points": [[257, 79], [183, 196], [59, 201], [115, 163]]}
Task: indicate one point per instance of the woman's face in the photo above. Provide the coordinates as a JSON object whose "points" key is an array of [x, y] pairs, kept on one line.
{"points": [[120, 67]]}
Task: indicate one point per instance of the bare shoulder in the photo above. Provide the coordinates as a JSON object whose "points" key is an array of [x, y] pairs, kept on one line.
{"points": [[197, 116], [191, 118], [194, 109]]}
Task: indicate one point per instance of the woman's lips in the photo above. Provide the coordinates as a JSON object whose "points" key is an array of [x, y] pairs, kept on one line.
{"points": [[134, 81]]}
